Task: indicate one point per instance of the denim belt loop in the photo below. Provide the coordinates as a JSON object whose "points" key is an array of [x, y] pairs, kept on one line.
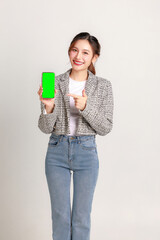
{"points": [[78, 139], [60, 138]]}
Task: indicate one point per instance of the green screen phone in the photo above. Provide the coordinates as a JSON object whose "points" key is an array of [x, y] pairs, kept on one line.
{"points": [[48, 84]]}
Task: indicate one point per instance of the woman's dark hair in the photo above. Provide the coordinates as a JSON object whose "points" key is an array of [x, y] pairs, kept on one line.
{"points": [[93, 43]]}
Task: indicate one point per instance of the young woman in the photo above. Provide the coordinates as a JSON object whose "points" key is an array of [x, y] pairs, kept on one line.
{"points": [[82, 107]]}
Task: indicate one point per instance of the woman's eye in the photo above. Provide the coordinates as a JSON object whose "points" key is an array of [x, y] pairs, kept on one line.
{"points": [[76, 50]]}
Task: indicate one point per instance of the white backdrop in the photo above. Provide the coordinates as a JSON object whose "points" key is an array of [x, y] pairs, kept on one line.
{"points": [[35, 36]]}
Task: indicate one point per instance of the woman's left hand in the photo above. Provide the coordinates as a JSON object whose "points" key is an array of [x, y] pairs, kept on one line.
{"points": [[80, 101]]}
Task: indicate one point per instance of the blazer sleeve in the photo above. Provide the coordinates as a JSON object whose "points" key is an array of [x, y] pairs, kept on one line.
{"points": [[101, 118], [46, 122]]}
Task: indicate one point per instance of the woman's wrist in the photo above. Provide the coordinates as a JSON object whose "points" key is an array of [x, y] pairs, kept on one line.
{"points": [[49, 109]]}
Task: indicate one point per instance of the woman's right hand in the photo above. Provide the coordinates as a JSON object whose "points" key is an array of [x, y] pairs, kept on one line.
{"points": [[48, 102]]}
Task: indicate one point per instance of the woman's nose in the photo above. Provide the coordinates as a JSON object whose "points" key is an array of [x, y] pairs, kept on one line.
{"points": [[78, 56]]}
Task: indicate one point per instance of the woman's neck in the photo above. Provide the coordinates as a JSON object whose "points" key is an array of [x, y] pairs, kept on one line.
{"points": [[79, 75]]}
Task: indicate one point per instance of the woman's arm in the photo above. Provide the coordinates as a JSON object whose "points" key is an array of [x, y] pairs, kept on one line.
{"points": [[46, 122], [101, 118]]}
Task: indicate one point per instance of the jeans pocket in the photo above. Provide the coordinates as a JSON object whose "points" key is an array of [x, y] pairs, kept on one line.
{"points": [[88, 144]]}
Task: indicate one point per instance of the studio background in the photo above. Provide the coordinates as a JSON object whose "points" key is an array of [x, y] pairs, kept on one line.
{"points": [[35, 37]]}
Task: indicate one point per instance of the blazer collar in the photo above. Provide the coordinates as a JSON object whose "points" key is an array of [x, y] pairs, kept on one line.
{"points": [[64, 82]]}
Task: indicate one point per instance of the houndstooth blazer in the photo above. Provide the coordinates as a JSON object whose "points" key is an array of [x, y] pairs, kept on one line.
{"points": [[96, 118]]}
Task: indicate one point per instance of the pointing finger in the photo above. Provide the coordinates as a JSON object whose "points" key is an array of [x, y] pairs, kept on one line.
{"points": [[73, 95]]}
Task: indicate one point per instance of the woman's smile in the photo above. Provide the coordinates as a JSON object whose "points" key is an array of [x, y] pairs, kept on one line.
{"points": [[77, 63]]}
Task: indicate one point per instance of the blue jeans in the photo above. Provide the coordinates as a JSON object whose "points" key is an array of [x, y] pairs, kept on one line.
{"points": [[65, 154]]}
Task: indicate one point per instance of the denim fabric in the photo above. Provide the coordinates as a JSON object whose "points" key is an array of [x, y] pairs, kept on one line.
{"points": [[66, 155]]}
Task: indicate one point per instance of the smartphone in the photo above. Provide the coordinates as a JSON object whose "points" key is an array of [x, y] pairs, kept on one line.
{"points": [[48, 84]]}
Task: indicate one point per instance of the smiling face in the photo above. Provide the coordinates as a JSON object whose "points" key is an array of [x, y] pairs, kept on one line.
{"points": [[81, 55]]}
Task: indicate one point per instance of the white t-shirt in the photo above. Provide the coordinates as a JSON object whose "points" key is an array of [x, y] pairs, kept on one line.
{"points": [[75, 87]]}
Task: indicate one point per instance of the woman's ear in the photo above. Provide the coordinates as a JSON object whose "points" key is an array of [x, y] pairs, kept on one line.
{"points": [[94, 58]]}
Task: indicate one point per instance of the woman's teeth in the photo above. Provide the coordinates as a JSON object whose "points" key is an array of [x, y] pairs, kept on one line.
{"points": [[77, 63]]}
